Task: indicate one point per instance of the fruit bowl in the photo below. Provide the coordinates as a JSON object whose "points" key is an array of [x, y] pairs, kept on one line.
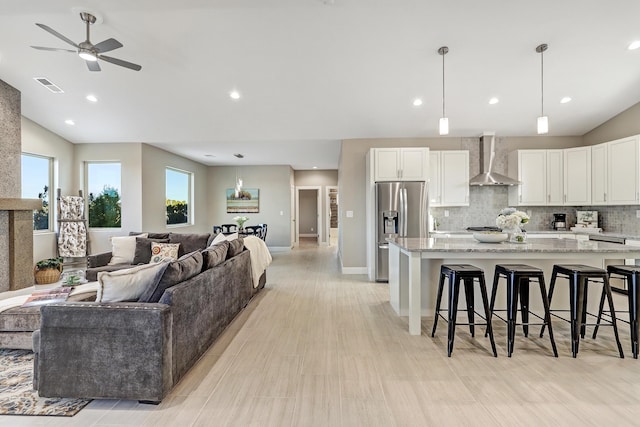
{"points": [[490, 236]]}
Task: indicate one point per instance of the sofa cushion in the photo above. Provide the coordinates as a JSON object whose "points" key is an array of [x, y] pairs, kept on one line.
{"points": [[130, 283], [123, 249], [92, 273], [160, 251], [189, 242], [214, 255], [150, 235], [235, 247], [178, 271], [143, 249]]}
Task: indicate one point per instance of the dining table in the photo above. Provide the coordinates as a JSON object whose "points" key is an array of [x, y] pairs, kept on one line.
{"points": [[414, 264]]}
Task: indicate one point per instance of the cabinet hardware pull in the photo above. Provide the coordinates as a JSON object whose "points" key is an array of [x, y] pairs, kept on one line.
{"points": [[605, 197], [548, 198]]}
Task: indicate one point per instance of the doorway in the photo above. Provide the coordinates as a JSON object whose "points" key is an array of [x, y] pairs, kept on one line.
{"points": [[332, 215], [309, 215]]}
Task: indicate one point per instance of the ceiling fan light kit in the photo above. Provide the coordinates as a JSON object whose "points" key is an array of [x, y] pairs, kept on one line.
{"points": [[86, 50]]}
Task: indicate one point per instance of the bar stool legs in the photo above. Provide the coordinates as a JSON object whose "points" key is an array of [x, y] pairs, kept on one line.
{"points": [[579, 277], [467, 274], [630, 275], [518, 278]]}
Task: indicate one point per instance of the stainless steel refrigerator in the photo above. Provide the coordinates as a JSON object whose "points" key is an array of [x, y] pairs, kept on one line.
{"points": [[402, 211]]}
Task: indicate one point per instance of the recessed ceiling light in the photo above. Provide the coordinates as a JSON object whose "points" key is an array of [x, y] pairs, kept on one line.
{"points": [[417, 102], [70, 122], [634, 45], [92, 98], [315, 167], [234, 94], [493, 100], [209, 155], [565, 100]]}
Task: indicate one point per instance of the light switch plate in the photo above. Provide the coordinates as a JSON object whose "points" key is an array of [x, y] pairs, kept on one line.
{"points": [[349, 214]]}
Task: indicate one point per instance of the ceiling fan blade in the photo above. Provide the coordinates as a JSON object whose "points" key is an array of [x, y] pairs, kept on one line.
{"points": [[93, 65], [107, 45], [121, 63], [53, 49], [57, 34]]}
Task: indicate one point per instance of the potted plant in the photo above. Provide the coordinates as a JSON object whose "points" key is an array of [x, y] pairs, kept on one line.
{"points": [[48, 270]]}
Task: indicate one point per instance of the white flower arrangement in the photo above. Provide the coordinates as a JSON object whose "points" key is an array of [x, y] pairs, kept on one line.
{"points": [[510, 218], [240, 220]]}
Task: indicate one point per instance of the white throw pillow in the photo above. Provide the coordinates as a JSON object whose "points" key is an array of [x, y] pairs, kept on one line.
{"points": [[123, 249], [218, 239], [162, 251], [130, 283]]}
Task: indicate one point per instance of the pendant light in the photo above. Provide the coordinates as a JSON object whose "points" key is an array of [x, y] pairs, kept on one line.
{"points": [[543, 121], [444, 121]]}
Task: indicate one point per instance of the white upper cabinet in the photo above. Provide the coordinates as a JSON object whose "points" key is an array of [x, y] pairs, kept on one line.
{"points": [[401, 164], [454, 173], [435, 183], [530, 167], [449, 178], [555, 177], [599, 179], [577, 176], [623, 171]]}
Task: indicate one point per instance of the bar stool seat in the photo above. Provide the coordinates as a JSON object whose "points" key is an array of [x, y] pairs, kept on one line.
{"points": [[631, 275], [518, 277], [579, 277], [469, 275]]}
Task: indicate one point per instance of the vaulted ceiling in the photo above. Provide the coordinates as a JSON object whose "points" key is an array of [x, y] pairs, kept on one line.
{"points": [[313, 72]]}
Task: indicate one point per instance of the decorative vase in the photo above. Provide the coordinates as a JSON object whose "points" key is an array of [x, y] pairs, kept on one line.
{"points": [[516, 235]]}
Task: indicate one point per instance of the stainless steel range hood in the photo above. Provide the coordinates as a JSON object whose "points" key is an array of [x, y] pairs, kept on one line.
{"points": [[487, 175]]}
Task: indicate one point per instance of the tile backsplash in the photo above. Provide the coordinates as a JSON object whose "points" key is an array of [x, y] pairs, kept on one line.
{"points": [[486, 202]]}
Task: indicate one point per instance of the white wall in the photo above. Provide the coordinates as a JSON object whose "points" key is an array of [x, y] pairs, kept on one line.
{"points": [[129, 156], [153, 214], [274, 183], [40, 141]]}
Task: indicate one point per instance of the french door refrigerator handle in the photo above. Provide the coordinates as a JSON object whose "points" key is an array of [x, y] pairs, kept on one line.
{"points": [[401, 215], [405, 208]]}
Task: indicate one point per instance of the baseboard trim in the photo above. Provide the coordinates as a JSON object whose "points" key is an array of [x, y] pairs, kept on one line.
{"points": [[273, 249], [354, 270], [308, 235]]}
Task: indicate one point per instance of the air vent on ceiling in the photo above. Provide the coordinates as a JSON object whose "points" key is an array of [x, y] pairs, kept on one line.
{"points": [[240, 156], [48, 84]]}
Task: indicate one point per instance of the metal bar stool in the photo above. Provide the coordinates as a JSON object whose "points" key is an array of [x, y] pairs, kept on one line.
{"points": [[469, 274], [579, 277], [518, 277], [630, 274]]}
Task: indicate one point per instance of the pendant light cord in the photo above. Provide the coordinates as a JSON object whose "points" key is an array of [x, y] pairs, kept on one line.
{"points": [[542, 83], [443, 114]]}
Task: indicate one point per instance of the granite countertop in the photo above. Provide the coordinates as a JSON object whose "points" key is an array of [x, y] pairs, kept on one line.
{"points": [[631, 236], [443, 244]]}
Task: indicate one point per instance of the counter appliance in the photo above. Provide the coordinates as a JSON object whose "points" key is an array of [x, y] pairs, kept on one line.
{"points": [[559, 222], [401, 211]]}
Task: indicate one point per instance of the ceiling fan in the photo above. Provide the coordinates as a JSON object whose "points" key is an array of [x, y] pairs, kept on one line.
{"points": [[88, 51]]}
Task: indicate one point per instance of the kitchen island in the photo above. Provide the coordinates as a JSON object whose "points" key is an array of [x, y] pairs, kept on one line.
{"points": [[414, 265]]}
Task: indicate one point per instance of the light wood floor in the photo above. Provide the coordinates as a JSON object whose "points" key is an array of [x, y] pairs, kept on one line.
{"points": [[317, 348]]}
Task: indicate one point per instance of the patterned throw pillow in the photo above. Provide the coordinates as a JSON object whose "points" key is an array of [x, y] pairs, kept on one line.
{"points": [[160, 251]]}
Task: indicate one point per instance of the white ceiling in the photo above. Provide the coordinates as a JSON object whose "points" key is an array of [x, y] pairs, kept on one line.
{"points": [[314, 72]]}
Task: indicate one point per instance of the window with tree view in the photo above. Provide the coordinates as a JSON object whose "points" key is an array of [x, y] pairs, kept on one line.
{"points": [[178, 195], [103, 187], [36, 184]]}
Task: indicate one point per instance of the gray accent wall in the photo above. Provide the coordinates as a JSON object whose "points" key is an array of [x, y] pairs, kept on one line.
{"points": [[626, 123]]}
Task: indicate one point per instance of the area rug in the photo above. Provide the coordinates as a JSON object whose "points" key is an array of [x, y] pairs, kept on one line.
{"points": [[17, 396]]}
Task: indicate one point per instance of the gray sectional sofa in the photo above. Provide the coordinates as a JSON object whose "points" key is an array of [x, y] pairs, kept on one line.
{"points": [[138, 350]]}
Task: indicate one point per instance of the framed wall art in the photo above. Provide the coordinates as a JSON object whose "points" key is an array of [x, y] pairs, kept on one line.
{"points": [[247, 201]]}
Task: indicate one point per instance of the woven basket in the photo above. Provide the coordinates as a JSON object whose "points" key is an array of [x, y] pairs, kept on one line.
{"points": [[48, 275]]}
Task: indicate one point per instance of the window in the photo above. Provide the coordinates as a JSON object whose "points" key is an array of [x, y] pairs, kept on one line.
{"points": [[36, 182], [178, 196], [103, 186]]}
